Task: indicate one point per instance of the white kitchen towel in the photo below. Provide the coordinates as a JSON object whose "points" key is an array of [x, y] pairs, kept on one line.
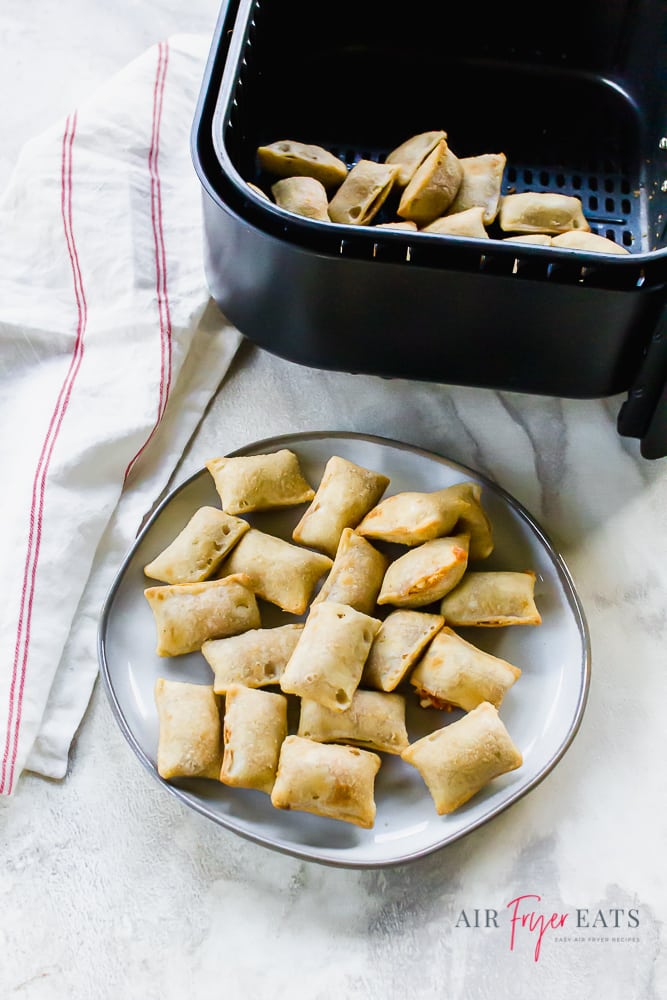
{"points": [[110, 350]]}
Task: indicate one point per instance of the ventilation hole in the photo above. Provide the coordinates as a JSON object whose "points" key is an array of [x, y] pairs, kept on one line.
{"points": [[544, 178], [560, 180], [625, 187], [528, 176], [593, 183], [226, 529], [609, 184], [576, 182], [609, 205], [625, 207], [341, 697], [627, 239], [611, 235], [593, 203], [511, 174]]}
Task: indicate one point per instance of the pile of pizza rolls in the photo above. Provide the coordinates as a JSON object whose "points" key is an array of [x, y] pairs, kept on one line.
{"points": [[431, 189], [373, 587]]}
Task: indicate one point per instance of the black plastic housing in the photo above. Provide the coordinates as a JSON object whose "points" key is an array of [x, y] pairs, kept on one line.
{"points": [[576, 101]]}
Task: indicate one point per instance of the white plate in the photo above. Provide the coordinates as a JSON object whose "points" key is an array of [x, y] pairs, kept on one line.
{"points": [[542, 711]]}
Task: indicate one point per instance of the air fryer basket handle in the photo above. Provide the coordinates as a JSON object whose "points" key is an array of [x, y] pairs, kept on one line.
{"points": [[644, 413]]}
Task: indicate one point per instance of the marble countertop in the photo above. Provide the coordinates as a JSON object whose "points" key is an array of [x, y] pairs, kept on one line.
{"points": [[110, 888]]}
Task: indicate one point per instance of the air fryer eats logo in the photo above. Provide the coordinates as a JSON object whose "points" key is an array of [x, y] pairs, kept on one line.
{"points": [[529, 922]]}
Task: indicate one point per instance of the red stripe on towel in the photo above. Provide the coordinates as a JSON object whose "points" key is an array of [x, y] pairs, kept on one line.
{"points": [[164, 312], [22, 647]]}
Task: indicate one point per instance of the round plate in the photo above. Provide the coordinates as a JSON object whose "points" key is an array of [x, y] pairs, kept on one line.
{"points": [[542, 711]]}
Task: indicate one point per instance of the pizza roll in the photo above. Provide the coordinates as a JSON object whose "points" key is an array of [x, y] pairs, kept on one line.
{"points": [[259, 482], [541, 212], [255, 658], [303, 196], [281, 573], [254, 728], [492, 599], [289, 158], [398, 644], [375, 720], [467, 223], [432, 187], [458, 760], [345, 494], [258, 190], [411, 153], [363, 193], [326, 779], [454, 673], [199, 548], [329, 658], [356, 575], [539, 239], [190, 737], [411, 518], [481, 185], [578, 240], [187, 614], [425, 573]]}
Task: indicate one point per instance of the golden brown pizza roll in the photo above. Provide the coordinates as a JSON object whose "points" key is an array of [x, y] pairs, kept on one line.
{"points": [[259, 482], [426, 572], [258, 190], [454, 672], [375, 720], [458, 760], [190, 737], [433, 186], [398, 644], [326, 779], [187, 614], [255, 725], [492, 599], [539, 239], [289, 158], [541, 212], [578, 240], [480, 185], [255, 658], [278, 571], [302, 195], [329, 657], [356, 575], [411, 517], [411, 153], [466, 223], [345, 494], [363, 193], [199, 548]]}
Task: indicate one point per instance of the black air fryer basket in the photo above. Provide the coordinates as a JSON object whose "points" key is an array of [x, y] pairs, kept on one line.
{"points": [[574, 95]]}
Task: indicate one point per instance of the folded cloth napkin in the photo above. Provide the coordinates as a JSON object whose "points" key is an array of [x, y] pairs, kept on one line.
{"points": [[110, 350]]}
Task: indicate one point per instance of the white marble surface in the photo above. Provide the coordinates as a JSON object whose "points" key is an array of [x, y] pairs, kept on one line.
{"points": [[110, 888]]}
